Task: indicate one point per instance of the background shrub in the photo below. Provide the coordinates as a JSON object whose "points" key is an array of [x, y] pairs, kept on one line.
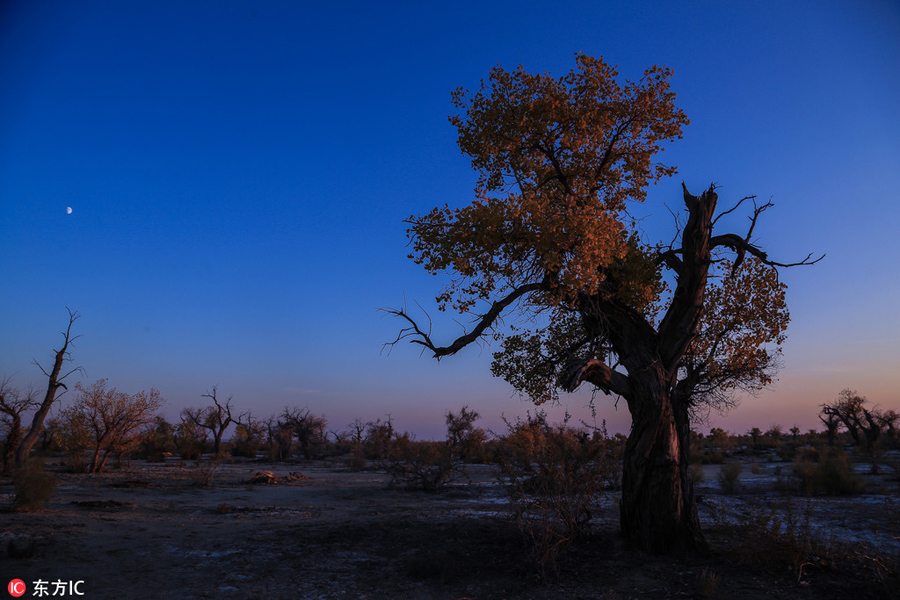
{"points": [[833, 475], [729, 477]]}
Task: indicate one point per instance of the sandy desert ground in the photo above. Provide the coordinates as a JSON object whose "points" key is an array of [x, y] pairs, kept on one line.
{"points": [[153, 531]]}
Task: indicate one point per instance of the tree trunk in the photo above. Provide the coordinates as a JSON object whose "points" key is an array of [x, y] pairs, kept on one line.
{"points": [[37, 423], [95, 460], [53, 384], [13, 439], [658, 512]]}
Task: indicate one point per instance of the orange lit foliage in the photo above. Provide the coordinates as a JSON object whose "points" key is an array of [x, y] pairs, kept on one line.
{"points": [[558, 159], [738, 343]]}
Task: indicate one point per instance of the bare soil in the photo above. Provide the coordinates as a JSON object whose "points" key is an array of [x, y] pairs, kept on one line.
{"points": [[154, 531]]}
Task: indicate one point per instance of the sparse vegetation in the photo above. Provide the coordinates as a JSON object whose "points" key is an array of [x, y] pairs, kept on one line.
{"points": [[831, 475], [554, 475], [707, 584], [432, 465]]}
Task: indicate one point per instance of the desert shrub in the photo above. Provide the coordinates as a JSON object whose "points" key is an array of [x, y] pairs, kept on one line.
{"points": [[836, 476], [190, 440], [729, 477], [430, 466], [712, 458], [772, 536], [34, 487], [427, 466], [696, 473], [248, 438], [205, 470], [833, 475], [378, 440], [554, 474]]}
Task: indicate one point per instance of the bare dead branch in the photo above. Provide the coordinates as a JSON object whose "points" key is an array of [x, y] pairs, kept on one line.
{"points": [[740, 245], [733, 208]]}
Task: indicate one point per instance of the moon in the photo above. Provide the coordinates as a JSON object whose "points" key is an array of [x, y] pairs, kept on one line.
{"points": [[68, 210]]}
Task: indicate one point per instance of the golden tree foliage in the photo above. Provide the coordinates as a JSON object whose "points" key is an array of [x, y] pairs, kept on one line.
{"points": [[558, 160], [739, 338]]}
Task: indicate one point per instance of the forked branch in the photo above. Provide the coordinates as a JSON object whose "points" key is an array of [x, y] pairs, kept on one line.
{"points": [[740, 245]]}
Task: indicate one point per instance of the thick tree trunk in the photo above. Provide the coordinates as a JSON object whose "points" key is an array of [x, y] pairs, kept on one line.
{"points": [[658, 511], [13, 438]]}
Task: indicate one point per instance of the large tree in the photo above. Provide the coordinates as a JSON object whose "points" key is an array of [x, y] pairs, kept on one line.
{"points": [[549, 241]]}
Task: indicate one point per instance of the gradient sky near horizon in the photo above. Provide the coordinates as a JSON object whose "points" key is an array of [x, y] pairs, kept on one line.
{"points": [[238, 174]]}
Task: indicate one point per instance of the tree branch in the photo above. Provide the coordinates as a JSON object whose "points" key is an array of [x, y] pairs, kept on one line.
{"points": [[485, 321], [597, 373]]}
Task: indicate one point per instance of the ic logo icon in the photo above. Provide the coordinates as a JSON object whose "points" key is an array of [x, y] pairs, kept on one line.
{"points": [[16, 588]]}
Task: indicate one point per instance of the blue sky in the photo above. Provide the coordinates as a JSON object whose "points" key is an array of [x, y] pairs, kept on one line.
{"points": [[238, 175]]}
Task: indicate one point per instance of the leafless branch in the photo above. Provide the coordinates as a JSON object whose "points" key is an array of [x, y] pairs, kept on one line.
{"points": [[740, 245], [733, 208], [485, 321]]}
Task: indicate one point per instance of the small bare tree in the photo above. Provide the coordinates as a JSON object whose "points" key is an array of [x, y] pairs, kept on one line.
{"points": [[54, 382], [13, 404]]}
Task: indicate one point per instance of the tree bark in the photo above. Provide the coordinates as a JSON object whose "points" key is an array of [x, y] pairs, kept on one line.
{"points": [[658, 512]]}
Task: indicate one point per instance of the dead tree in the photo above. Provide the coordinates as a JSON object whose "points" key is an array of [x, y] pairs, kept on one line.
{"points": [[54, 382], [216, 418]]}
